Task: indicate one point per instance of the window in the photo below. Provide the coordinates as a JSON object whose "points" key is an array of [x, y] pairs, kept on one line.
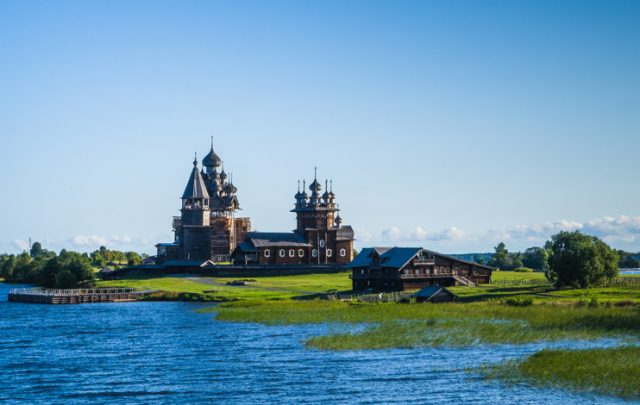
{"points": [[343, 252], [314, 253], [292, 253], [417, 271], [329, 252], [321, 243], [300, 252], [281, 253], [267, 253]]}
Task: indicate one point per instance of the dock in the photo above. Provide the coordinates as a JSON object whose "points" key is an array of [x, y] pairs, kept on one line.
{"points": [[75, 296]]}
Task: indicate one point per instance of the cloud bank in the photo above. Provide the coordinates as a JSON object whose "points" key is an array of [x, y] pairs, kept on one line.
{"points": [[623, 229]]}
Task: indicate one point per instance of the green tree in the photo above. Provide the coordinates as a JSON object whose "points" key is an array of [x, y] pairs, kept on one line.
{"points": [[501, 257], [36, 249], [133, 258], [580, 261], [7, 266], [65, 279], [536, 258]]}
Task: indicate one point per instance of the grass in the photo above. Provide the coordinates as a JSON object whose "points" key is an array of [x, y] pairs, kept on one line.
{"points": [[612, 371], [215, 288], [419, 325]]}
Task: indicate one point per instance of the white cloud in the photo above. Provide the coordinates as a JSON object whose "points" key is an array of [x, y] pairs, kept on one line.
{"points": [[419, 234], [21, 244], [623, 229]]}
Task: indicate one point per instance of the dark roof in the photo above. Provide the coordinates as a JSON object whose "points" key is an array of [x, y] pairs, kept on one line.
{"points": [[364, 257], [246, 247], [269, 239], [196, 188], [167, 244], [398, 257], [345, 233], [459, 260], [431, 290]]}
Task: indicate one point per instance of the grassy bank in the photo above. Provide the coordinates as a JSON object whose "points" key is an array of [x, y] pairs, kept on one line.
{"points": [[614, 371], [257, 288], [418, 325]]}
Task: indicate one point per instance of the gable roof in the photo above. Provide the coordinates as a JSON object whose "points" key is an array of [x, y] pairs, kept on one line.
{"points": [[196, 188], [431, 290], [345, 232], [398, 257], [271, 239], [365, 257]]}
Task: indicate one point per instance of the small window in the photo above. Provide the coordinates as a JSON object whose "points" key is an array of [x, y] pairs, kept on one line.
{"points": [[361, 271], [329, 252], [281, 253], [300, 252], [322, 243], [343, 252], [292, 253], [267, 253], [314, 253]]}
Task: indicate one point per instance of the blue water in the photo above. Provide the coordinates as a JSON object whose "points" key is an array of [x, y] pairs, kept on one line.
{"points": [[166, 352]]}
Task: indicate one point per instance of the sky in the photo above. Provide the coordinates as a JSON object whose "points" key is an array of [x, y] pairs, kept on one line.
{"points": [[452, 125]]}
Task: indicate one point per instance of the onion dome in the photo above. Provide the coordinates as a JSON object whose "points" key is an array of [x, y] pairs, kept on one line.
{"points": [[315, 186], [230, 188], [338, 220], [211, 160], [223, 175]]}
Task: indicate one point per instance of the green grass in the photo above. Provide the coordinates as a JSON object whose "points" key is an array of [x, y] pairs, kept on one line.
{"points": [[614, 371], [418, 325], [263, 288]]}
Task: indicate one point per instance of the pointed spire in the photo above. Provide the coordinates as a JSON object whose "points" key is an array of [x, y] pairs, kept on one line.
{"points": [[195, 159], [331, 185], [298, 186], [315, 172], [195, 188]]}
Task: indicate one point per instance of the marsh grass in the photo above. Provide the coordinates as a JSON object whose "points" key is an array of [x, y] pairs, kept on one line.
{"points": [[419, 325], [612, 371]]}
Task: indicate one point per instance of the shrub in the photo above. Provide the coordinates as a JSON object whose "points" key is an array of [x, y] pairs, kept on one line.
{"points": [[517, 302], [523, 270]]}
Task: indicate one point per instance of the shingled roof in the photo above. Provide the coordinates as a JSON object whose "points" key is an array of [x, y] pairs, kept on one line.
{"points": [[271, 239], [196, 188]]}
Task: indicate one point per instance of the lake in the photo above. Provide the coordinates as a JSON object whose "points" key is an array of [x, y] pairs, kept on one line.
{"points": [[166, 352]]}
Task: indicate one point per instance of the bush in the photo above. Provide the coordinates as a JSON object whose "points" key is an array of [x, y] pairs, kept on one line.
{"points": [[517, 302], [523, 270]]}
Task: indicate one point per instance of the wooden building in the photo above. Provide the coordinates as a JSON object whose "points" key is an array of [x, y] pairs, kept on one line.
{"points": [[319, 237], [403, 268], [207, 228]]}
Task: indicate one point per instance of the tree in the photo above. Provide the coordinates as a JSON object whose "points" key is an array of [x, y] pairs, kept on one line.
{"points": [[501, 257], [133, 258], [580, 261], [65, 279], [536, 258], [36, 249]]}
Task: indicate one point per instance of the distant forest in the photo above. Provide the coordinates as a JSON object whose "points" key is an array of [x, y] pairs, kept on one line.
{"points": [[533, 258]]}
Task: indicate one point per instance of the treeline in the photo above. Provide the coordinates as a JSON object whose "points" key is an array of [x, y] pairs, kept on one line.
{"points": [[537, 258], [569, 259], [67, 269]]}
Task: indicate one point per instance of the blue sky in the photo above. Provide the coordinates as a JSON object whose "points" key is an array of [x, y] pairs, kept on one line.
{"points": [[448, 124]]}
